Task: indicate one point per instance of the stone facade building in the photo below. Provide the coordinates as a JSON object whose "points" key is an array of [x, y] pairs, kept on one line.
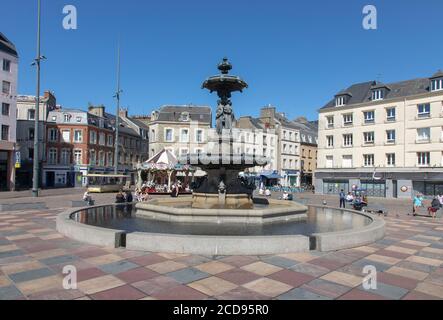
{"points": [[385, 138], [8, 101]]}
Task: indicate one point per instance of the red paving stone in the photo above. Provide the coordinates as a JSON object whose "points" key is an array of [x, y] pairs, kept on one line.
{"points": [[136, 275], [147, 260], [86, 274], [292, 278], [357, 294], [125, 292], [398, 281], [393, 254], [327, 263], [238, 276], [416, 295]]}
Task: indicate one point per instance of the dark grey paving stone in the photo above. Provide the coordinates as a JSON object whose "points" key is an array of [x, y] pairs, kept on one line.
{"points": [[437, 245], [9, 293], [386, 242], [301, 294], [13, 253], [59, 260], [4, 242], [434, 233], [117, 267], [378, 266], [280, 261], [430, 255], [334, 289], [12, 233], [31, 275], [310, 269], [388, 291], [188, 275]]}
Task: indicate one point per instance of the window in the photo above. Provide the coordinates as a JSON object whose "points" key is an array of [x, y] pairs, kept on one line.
{"points": [[5, 132], [77, 156], [329, 161], [66, 134], [52, 156], [437, 84], [347, 140], [340, 101], [290, 135], [330, 141], [52, 135], [390, 136], [66, 157], [5, 109], [199, 135], [102, 139], [368, 160], [6, 65], [101, 159], [424, 110], [6, 87], [390, 159], [54, 118], [79, 119], [330, 122], [66, 117], [110, 159], [185, 116], [423, 135], [31, 114], [78, 135], [31, 134], [347, 119], [92, 158], [183, 151], [423, 158], [152, 135], [184, 135], [368, 137], [377, 95], [110, 140], [93, 137], [390, 114], [369, 116], [169, 135], [347, 161]]}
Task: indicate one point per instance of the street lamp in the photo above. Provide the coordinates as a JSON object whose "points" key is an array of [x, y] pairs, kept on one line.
{"points": [[117, 115], [37, 62]]}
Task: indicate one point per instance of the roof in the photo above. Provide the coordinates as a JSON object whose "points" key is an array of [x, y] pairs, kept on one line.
{"points": [[7, 46], [196, 113], [124, 127], [361, 92], [139, 123]]}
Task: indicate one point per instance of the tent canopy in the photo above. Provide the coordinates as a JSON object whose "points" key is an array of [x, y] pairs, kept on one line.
{"points": [[165, 160]]}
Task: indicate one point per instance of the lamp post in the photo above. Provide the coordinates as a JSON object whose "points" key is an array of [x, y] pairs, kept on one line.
{"points": [[37, 62], [117, 115]]}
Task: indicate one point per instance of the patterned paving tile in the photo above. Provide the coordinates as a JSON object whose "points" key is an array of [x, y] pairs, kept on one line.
{"points": [[416, 295], [407, 273], [268, 287], [388, 291], [327, 263], [40, 285], [302, 294], [118, 266], [147, 259], [166, 266], [179, 293], [136, 275], [31, 275], [151, 286], [239, 261], [214, 267], [310, 269], [213, 286], [326, 288], [86, 274], [99, 284], [10, 293], [241, 293], [291, 278], [65, 259], [348, 280], [383, 259], [378, 266], [261, 268], [357, 294], [238, 276], [397, 280], [426, 261], [188, 275], [125, 292], [280, 261], [430, 289]]}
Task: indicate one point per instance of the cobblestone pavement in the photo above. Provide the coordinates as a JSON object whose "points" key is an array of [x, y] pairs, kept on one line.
{"points": [[409, 261]]}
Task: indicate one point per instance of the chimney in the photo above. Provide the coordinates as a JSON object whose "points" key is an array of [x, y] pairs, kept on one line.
{"points": [[267, 115], [123, 113], [97, 110]]}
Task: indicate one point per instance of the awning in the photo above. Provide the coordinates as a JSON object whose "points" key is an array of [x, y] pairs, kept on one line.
{"points": [[272, 175]]}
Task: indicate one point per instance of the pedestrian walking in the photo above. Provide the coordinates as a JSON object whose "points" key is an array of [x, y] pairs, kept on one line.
{"points": [[342, 199]]}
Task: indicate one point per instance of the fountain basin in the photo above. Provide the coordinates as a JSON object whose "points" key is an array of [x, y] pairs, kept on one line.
{"points": [[184, 210], [326, 229]]}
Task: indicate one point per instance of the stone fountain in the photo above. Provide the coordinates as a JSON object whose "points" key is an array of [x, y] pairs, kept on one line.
{"points": [[223, 196]]}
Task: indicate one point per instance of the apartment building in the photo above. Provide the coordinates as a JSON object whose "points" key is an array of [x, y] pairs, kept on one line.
{"points": [[78, 143], [308, 147], [26, 133], [8, 101], [384, 138], [251, 137], [179, 129]]}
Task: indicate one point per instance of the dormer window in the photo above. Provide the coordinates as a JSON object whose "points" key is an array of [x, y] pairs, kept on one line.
{"points": [[340, 101], [377, 95], [184, 116], [437, 84]]}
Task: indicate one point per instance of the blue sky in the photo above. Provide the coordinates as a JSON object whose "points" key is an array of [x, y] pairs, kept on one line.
{"points": [[294, 54]]}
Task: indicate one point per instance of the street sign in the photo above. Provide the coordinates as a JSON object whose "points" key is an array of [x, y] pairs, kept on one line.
{"points": [[18, 161]]}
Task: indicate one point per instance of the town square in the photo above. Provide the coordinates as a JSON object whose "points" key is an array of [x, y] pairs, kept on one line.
{"points": [[196, 152]]}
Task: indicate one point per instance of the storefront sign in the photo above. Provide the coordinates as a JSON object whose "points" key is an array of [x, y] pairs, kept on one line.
{"points": [[18, 161], [404, 189]]}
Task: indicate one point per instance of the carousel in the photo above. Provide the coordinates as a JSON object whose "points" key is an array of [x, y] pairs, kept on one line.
{"points": [[161, 172]]}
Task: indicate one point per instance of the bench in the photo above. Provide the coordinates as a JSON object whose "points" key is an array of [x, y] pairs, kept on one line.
{"points": [[22, 206]]}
